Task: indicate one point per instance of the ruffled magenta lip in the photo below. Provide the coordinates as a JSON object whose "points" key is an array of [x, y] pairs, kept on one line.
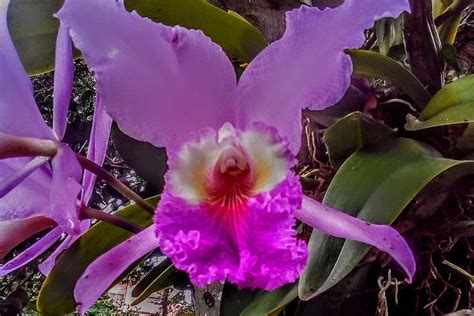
{"points": [[260, 251], [237, 229]]}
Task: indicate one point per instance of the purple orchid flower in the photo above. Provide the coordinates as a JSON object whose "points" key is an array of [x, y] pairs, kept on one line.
{"points": [[230, 201], [35, 195]]}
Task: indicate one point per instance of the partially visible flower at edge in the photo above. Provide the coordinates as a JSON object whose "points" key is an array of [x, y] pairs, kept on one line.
{"points": [[35, 195], [230, 201]]}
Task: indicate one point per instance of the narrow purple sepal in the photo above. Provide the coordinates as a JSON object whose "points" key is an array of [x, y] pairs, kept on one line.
{"points": [[98, 142], [107, 268], [339, 224], [47, 265], [32, 252], [63, 80]]}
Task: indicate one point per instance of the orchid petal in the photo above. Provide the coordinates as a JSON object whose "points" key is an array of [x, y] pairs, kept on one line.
{"points": [[184, 83], [307, 67], [47, 265], [30, 197], [65, 189], [63, 79], [339, 224], [12, 233], [94, 282], [98, 142], [8, 184], [19, 114], [32, 252]]}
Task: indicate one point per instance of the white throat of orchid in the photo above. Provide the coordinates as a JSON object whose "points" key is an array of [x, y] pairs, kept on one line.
{"points": [[223, 170]]}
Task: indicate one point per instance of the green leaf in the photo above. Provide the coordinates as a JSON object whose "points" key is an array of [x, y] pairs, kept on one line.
{"points": [[270, 303], [448, 21], [156, 280], [375, 184], [454, 104], [56, 295], [354, 100], [33, 29], [239, 39], [148, 161], [352, 133], [466, 141], [235, 300], [371, 64]]}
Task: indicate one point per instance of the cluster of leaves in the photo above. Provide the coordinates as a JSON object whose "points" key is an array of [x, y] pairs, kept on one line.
{"points": [[397, 148]]}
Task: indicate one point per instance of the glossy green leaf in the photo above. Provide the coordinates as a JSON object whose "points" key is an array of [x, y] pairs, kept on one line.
{"points": [[352, 133], [156, 280], [148, 161], [33, 29], [371, 64], [270, 303], [239, 39], [454, 104], [375, 184], [56, 295]]}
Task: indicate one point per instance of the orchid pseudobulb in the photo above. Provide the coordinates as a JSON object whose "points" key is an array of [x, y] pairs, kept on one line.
{"points": [[230, 200]]}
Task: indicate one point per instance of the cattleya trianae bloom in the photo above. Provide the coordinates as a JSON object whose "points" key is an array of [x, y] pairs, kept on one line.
{"points": [[230, 200], [35, 195]]}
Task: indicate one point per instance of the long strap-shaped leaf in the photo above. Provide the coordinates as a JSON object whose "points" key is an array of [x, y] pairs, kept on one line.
{"points": [[371, 64], [454, 104], [374, 184]]}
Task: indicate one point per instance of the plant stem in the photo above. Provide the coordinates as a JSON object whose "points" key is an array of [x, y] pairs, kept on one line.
{"points": [[15, 146], [87, 212], [115, 183]]}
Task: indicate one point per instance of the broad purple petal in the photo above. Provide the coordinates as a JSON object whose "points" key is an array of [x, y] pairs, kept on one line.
{"points": [[107, 268], [47, 265], [257, 248], [65, 188], [307, 67], [339, 224], [173, 81], [14, 232], [30, 197], [63, 79], [32, 252], [98, 142], [19, 114]]}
